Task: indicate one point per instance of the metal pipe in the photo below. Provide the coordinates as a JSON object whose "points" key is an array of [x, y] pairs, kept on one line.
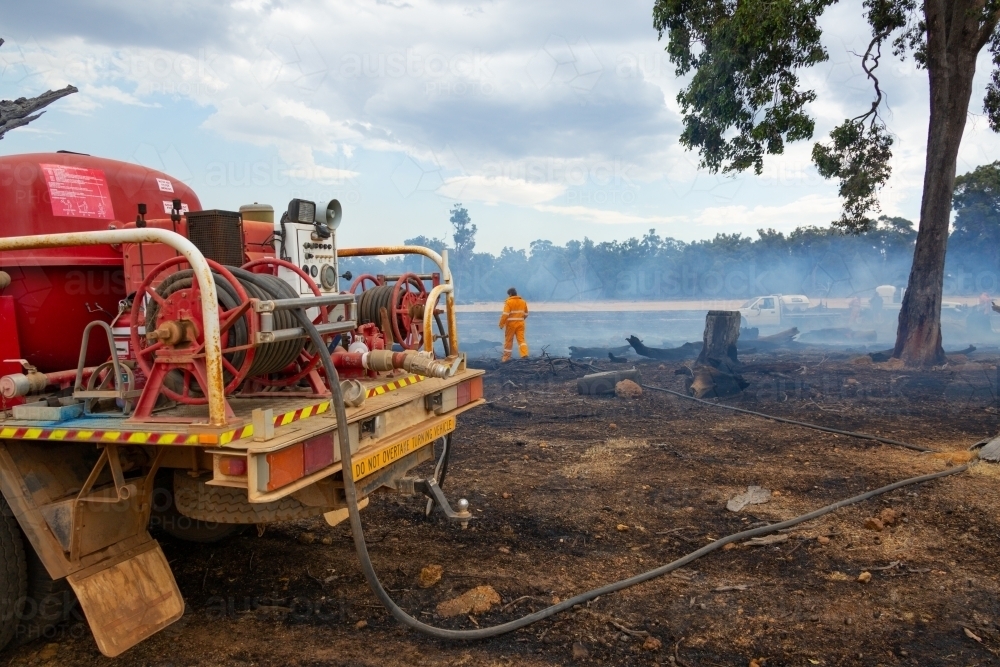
{"points": [[21, 384], [304, 302], [399, 250], [202, 271], [299, 332], [450, 304], [432, 300], [446, 279], [397, 276]]}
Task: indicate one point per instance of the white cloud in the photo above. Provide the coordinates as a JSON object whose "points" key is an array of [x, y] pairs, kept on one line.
{"points": [[605, 217], [500, 189], [422, 82], [114, 94], [808, 210]]}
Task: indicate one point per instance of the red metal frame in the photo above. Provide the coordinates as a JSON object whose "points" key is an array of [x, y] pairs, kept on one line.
{"points": [[360, 282], [402, 300]]}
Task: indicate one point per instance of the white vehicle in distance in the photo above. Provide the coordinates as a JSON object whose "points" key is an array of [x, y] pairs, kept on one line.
{"points": [[774, 310]]}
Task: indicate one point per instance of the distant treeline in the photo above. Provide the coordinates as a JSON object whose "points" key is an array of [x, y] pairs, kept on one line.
{"points": [[816, 261]]}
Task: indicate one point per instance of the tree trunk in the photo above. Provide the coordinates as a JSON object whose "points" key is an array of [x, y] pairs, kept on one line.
{"points": [[954, 39], [722, 330]]}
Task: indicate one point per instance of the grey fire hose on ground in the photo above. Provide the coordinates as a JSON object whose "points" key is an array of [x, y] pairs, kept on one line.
{"points": [[484, 633], [793, 422]]}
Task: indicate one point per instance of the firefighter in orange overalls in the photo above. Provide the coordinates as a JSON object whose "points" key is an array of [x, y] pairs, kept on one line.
{"points": [[515, 311]]}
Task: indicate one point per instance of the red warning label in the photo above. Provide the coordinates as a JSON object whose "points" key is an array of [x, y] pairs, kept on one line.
{"points": [[76, 192]]}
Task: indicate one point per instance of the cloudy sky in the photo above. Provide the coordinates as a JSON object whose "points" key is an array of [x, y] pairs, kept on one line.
{"points": [[546, 120]]}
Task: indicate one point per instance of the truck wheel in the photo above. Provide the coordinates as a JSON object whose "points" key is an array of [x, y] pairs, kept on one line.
{"points": [[49, 601], [13, 573], [227, 505]]}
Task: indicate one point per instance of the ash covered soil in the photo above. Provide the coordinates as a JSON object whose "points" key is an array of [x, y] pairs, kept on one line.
{"points": [[573, 492]]}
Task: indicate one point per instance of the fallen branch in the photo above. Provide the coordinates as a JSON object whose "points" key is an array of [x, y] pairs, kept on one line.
{"points": [[629, 631]]}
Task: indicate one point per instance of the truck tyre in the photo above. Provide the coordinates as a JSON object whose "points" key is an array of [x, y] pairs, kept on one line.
{"points": [[13, 573], [229, 505], [164, 516], [49, 601]]}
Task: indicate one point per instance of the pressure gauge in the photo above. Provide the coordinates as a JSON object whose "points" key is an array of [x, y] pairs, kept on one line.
{"points": [[328, 277]]}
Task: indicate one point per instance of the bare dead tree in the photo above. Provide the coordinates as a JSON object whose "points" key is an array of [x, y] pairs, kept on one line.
{"points": [[23, 110]]}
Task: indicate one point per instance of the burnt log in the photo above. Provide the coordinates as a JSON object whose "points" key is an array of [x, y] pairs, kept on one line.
{"points": [[785, 337], [604, 383], [685, 351], [596, 352], [838, 335]]}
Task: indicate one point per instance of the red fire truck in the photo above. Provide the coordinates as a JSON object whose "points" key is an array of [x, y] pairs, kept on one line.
{"points": [[146, 342]]}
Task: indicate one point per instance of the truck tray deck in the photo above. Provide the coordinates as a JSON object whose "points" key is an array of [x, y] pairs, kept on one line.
{"points": [[184, 425]]}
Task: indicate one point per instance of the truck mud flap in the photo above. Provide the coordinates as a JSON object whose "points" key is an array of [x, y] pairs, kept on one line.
{"points": [[128, 598]]}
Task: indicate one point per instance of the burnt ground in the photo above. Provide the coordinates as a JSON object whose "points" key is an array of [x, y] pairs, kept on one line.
{"points": [[572, 492]]}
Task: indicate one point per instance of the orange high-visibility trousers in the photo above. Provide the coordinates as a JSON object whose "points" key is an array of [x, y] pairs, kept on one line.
{"points": [[514, 329]]}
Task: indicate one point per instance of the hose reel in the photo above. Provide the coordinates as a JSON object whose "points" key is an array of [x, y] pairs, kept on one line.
{"points": [[166, 325], [403, 301]]}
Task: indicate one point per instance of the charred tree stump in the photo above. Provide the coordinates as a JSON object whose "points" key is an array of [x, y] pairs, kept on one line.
{"points": [[722, 331], [714, 374]]}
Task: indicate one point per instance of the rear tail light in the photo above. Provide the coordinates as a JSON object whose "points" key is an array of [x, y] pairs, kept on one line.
{"points": [[233, 466], [455, 397], [470, 390]]}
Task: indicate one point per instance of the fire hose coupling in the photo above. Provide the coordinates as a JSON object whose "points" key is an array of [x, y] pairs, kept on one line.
{"points": [[22, 384], [384, 360]]}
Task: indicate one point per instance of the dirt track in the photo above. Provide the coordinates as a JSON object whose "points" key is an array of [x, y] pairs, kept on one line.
{"points": [[572, 492]]}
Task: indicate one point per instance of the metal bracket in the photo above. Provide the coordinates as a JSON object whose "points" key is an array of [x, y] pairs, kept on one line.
{"points": [[96, 388], [430, 488], [123, 491]]}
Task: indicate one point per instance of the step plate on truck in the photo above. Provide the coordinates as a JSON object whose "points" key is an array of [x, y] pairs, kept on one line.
{"points": [[130, 600]]}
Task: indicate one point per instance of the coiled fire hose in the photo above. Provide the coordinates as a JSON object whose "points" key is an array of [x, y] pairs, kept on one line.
{"points": [[269, 357], [400, 615]]}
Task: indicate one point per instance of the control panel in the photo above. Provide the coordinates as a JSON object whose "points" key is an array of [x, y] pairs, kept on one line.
{"points": [[316, 257]]}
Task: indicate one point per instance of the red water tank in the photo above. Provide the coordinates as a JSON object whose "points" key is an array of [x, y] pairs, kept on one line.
{"points": [[57, 291]]}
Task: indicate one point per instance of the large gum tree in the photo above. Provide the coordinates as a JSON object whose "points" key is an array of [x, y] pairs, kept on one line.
{"points": [[744, 100]]}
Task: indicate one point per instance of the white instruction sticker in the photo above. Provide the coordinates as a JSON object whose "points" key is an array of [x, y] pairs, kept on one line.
{"points": [[168, 206], [165, 185]]}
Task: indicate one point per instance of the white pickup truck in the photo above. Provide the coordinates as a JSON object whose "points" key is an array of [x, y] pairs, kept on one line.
{"points": [[892, 299], [774, 310]]}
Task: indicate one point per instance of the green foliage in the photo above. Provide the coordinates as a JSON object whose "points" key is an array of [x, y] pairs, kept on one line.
{"points": [[744, 99], [436, 245], [977, 211], [465, 231], [991, 103], [859, 158]]}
